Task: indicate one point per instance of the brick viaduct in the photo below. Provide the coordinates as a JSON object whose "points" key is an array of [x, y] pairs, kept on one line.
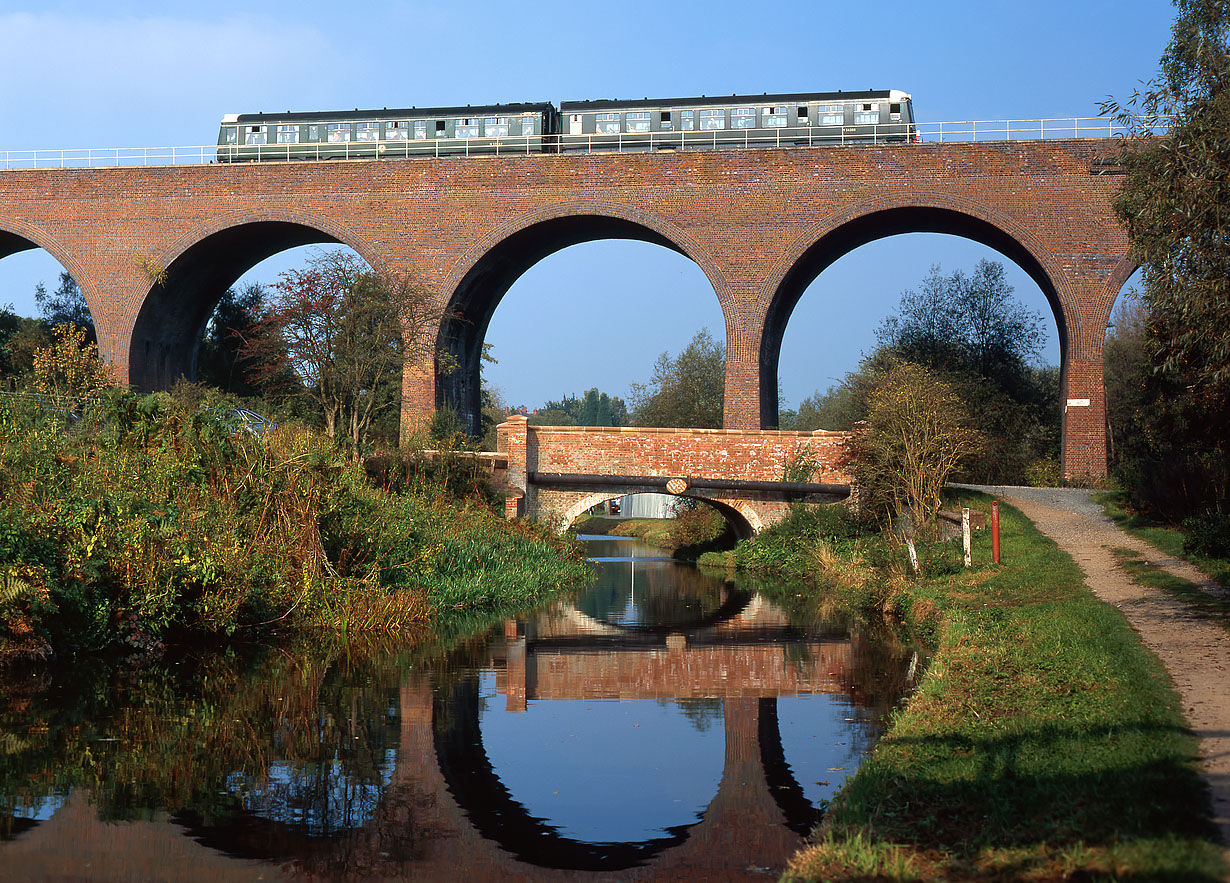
{"points": [[761, 224]]}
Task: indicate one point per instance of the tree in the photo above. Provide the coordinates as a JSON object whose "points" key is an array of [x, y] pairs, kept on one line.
{"points": [[971, 331], [347, 332], [966, 323], [1126, 369], [221, 361], [594, 408], [839, 407], [69, 369], [65, 305], [1173, 203], [20, 338], [1175, 192], [685, 391], [917, 434]]}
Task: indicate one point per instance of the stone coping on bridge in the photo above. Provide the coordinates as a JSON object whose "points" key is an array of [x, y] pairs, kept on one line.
{"points": [[669, 430]]}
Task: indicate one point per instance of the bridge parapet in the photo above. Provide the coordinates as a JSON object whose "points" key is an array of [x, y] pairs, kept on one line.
{"points": [[743, 472]]}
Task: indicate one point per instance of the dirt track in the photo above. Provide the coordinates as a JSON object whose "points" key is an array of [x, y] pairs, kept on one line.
{"points": [[1195, 651]]}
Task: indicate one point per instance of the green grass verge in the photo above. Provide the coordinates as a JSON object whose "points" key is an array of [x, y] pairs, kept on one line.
{"points": [[1146, 573], [1044, 742], [1165, 537]]}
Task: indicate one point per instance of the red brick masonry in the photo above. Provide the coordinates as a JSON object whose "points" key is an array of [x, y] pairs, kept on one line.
{"points": [[761, 224], [750, 455]]}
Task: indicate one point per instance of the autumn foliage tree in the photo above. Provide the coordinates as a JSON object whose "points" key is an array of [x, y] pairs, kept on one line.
{"points": [[916, 435], [346, 332], [70, 369]]}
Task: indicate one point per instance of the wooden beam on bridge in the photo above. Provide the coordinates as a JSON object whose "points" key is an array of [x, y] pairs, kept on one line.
{"points": [[787, 490]]}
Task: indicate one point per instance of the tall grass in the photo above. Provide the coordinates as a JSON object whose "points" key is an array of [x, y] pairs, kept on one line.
{"points": [[146, 520]]}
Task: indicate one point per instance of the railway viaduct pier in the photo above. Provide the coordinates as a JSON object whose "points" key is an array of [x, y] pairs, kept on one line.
{"points": [[760, 223]]}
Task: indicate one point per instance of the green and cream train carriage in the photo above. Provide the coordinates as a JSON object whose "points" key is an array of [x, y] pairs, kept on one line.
{"points": [[789, 119], [424, 131], [800, 118]]}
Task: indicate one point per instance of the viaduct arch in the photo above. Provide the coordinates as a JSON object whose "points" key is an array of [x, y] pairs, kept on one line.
{"points": [[491, 267], [760, 224]]}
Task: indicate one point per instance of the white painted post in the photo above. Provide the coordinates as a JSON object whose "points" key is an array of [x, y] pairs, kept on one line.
{"points": [[965, 539]]}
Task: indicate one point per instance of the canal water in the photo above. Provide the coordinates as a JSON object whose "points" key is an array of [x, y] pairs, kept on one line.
{"points": [[667, 723]]}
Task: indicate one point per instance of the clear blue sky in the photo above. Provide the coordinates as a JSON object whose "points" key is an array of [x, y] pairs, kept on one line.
{"points": [[83, 74]]}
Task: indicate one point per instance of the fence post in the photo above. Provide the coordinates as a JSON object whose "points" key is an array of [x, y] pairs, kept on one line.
{"points": [[995, 531], [965, 538]]}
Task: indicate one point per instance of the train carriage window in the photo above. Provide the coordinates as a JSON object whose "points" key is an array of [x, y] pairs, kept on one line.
{"points": [[465, 128], [743, 118], [313, 133], [367, 131], [495, 127], [527, 125], [664, 120], [229, 135], [894, 111], [288, 134], [256, 135], [866, 114], [397, 130], [775, 117], [802, 116], [420, 130], [830, 114], [712, 118], [687, 121], [439, 128], [339, 132], [636, 121], [607, 123]]}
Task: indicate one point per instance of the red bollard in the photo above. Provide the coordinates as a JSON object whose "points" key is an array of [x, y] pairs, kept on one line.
{"points": [[995, 531]]}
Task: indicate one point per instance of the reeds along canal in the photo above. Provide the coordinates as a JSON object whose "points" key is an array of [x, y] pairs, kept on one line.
{"points": [[664, 722]]}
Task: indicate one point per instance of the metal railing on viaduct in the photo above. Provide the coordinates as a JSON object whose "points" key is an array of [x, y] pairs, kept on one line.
{"points": [[153, 247]]}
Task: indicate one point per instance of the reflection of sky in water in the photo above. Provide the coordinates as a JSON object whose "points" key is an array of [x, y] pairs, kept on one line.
{"points": [[43, 810], [822, 740], [320, 798], [603, 771]]}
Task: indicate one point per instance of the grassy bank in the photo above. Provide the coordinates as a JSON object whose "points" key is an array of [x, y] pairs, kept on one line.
{"points": [[1044, 742], [144, 522], [1169, 538]]}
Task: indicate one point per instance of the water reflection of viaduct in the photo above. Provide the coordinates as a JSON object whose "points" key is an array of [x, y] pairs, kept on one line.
{"points": [[446, 815], [761, 225]]}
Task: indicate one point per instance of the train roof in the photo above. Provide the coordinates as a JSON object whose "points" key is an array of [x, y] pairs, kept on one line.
{"points": [[727, 100], [394, 113]]}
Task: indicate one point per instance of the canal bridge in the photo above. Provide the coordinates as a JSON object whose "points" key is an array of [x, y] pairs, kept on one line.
{"points": [[557, 473], [154, 248]]}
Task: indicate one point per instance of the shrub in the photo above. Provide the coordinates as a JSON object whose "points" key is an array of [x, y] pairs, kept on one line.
{"points": [[1208, 535]]}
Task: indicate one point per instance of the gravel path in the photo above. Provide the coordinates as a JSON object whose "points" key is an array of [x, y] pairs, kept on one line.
{"points": [[1195, 651]]}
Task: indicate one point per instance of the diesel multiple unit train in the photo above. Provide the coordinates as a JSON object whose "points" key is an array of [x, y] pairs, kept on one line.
{"points": [[804, 118]]}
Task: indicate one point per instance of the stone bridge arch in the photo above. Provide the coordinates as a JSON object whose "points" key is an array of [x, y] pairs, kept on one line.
{"points": [[741, 516], [557, 472], [1080, 320], [484, 275], [199, 267]]}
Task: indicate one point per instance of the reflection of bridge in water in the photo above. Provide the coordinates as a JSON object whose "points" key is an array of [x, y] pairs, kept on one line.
{"points": [[445, 814]]}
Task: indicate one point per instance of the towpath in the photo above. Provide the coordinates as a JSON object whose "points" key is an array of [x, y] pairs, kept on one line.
{"points": [[1196, 651]]}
